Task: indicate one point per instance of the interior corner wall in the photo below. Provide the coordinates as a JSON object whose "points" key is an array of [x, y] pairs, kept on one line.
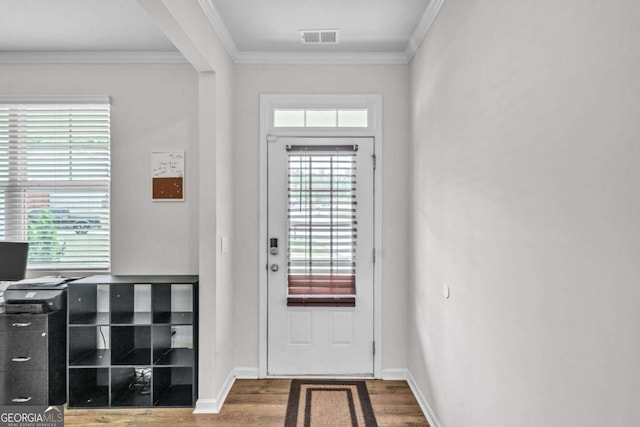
{"points": [[154, 107], [525, 203], [207, 239], [225, 189], [252, 81], [216, 223]]}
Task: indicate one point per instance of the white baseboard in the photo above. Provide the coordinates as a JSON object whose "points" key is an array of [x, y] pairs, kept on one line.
{"points": [[213, 406], [395, 374], [424, 404], [405, 374], [206, 406], [246, 373]]}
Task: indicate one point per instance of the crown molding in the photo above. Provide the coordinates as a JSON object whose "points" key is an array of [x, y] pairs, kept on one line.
{"points": [[423, 27], [70, 57], [310, 58], [220, 28], [28, 99]]}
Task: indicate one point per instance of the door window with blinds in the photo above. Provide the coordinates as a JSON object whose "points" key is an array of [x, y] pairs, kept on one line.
{"points": [[323, 230], [55, 182]]}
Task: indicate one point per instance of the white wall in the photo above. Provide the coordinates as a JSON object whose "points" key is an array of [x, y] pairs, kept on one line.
{"points": [[153, 107], [525, 163], [392, 83]]}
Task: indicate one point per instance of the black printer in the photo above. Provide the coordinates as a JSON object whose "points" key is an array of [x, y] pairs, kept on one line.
{"points": [[36, 296]]}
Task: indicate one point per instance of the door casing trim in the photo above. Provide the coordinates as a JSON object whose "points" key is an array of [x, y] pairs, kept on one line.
{"points": [[373, 102]]}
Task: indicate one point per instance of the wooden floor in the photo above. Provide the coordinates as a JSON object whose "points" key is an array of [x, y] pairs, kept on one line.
{"points": [[254, 403]]}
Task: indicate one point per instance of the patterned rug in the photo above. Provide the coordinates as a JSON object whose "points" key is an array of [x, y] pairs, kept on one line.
{"points": [[314, 403]]}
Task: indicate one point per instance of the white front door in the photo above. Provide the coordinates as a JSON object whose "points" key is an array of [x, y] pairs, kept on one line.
{"points": [[320, 256]]}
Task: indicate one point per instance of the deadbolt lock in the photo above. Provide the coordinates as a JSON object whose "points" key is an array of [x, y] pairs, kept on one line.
{"points": [[273, 246]]}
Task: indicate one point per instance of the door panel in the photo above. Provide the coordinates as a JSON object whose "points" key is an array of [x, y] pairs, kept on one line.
{"points": [[320, 261]]}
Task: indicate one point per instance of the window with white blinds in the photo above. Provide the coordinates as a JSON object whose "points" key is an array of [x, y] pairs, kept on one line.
{"points": [[55, 181], [322, 225]]}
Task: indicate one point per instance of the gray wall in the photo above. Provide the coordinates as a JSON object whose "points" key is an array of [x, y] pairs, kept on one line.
{"points": [[525, 202]]}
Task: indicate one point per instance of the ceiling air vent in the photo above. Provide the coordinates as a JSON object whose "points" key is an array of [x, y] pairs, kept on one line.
{"points": [[320, 36]]}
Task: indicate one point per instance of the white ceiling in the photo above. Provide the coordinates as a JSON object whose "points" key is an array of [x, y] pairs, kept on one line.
{"points": [[252, 30], [366, 25], [78, 25]]}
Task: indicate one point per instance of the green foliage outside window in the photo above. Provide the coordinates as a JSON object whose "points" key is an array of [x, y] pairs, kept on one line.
{"points": [[44, 246]]}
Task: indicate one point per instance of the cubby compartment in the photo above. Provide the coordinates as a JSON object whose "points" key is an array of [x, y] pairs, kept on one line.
{"points": [[131, 386], [172, 303], [172, 386], [89, 346], [130, 304], [88, 387], [133, 341], [131, 345], [88, 305], [173, 345]]}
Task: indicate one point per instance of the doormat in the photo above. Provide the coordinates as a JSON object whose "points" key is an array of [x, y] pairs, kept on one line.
{"points": [[314, 403]]}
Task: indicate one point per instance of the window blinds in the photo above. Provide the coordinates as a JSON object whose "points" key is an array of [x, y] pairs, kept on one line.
{"points": [[322, 225], [55, 182]]}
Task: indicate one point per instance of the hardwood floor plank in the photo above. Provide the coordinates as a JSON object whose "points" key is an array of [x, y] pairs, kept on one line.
{"points": [[253, 403]]}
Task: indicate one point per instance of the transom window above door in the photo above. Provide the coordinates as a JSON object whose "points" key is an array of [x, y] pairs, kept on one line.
{"points": [[321, 115], [320, 118]]}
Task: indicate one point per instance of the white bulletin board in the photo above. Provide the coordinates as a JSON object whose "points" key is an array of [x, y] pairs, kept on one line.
{"points": [[167, 175]]}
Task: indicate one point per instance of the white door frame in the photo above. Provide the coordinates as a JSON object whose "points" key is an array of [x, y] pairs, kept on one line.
{"points": [[373, 103]]}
